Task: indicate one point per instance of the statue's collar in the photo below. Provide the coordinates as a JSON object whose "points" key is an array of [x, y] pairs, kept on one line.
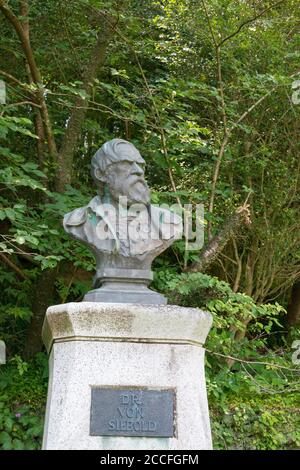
{"points": [[94, 203]]}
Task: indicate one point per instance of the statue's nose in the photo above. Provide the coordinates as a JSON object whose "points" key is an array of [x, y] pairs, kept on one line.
{"points": [[137, 169]]}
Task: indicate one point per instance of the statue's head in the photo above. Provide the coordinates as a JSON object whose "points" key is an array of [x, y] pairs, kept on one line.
{"points": [[119, 166]]}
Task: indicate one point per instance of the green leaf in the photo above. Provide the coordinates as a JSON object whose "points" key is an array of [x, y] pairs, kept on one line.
{"points": [[5, 440], [20, 239]]}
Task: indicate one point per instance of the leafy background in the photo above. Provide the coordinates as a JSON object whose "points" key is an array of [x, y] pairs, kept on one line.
{"points": [[204, 90]]}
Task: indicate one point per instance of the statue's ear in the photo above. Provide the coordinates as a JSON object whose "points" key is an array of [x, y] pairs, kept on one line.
{"points": [[76, 217], [98, 176]]}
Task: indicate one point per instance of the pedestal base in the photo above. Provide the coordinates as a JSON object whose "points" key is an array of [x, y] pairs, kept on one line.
{"points": [[124, 285], [116, 293], [123, 346]]}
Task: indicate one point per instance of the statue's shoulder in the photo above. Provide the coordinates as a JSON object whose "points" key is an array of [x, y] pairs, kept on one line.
{"points": [[76, 217], [79, 216]]}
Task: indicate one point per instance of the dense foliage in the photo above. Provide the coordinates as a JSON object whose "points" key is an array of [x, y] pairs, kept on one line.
{"points": [[208, 92]]}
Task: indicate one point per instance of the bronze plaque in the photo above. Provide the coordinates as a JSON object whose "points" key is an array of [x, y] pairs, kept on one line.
{"points": [[132, 412]]}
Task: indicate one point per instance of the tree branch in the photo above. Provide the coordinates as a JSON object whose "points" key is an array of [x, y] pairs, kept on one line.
{"points": [[13, 266], [34, 71], [244, 361], [13, 19], [215, 246], [250, 20], [21, 103], [13, 79], [38, 118]]}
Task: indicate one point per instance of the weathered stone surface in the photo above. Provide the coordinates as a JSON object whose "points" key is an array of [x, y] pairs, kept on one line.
{"points": [[125, 322], [130, 346]]}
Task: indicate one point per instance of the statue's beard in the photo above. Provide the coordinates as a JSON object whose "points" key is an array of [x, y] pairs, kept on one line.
{"points": [[139, 192], [136, 191]]}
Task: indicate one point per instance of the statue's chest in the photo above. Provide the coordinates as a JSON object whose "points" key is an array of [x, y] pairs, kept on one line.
{"points": [[129, 237]]}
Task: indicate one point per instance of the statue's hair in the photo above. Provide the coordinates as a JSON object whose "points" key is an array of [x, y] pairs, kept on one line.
{"points": [[111, 152]]}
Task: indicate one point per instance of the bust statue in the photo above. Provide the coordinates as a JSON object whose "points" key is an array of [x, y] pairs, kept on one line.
{"points": [[123, 230]]}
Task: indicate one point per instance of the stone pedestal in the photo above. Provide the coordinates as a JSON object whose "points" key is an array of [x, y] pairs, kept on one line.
{"points": [[117, 347]]}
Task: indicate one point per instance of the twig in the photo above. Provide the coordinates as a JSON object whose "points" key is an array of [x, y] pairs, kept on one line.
{"points": [[250, 20], [13, 79], [21, 103], [13, 266], [244, 361]]}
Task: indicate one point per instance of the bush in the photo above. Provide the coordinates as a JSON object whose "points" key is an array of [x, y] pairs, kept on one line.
{"points": [[260, 423], [23, 388]]}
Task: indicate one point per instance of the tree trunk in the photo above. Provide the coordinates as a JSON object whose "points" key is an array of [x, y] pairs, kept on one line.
{"points": [[37, 117], [76, 120], [43, 296], [293, 310]]}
